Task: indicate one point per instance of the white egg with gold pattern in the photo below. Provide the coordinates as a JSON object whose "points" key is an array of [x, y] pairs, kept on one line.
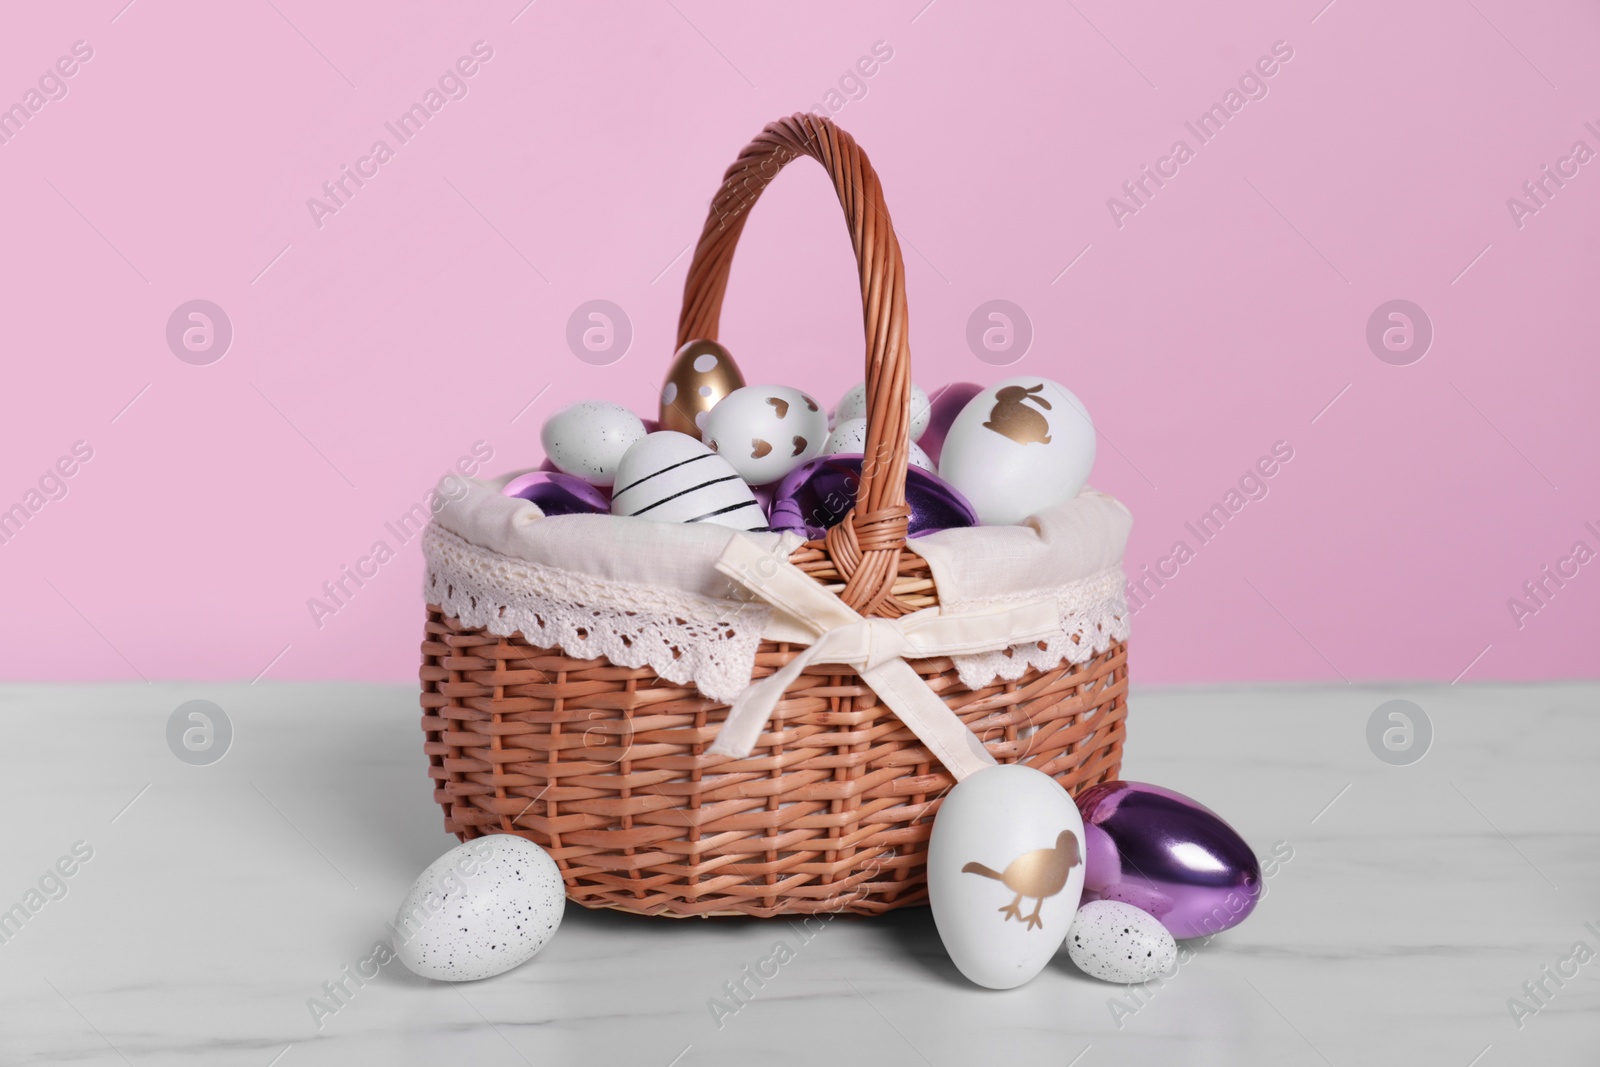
{"points": [[701, 375], [1018, 447], [766, 431], [1005, 873]]}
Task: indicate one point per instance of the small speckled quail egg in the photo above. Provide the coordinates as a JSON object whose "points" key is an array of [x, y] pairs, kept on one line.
{"points": [[765, 431], [588, 439], [1117, 942], [853, 405], [851, 438], [480, 909]]}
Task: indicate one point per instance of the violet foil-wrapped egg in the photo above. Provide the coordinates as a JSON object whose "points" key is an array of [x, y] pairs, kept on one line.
{"points": [[558, 494], [942, 411], [1167, 855], [819, 494]]}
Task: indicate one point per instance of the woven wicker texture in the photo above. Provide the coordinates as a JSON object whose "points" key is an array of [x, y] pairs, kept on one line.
{"points": [[604, 766]]}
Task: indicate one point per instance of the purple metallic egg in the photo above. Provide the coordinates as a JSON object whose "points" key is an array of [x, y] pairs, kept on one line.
{"points": [[1167, 855], [819, 493], [558, 494], [945, 405]]}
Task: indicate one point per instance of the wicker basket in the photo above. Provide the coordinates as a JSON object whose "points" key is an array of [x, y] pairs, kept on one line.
{"points": [[604, 765]]}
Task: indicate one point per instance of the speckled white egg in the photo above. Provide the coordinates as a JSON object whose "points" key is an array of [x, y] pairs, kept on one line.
{"points": [[671, 477], [765, 431], [853, 405], [1005, 873], [588, 439], [1017, 448], [480, 909], [1119, 943], [851, 438]]}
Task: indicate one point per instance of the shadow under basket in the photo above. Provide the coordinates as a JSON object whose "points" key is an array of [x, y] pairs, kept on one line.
{"points": [[603, 766]]}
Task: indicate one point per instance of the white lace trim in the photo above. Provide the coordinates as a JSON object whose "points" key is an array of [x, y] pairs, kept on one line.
{"points": [[1094, 616], [685, 638], [710, 643]]}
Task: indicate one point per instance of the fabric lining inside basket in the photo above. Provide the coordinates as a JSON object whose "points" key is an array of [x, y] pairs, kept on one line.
{"points": [[643, 593]]}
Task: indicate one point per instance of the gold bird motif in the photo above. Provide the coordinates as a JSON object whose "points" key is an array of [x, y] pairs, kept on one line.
{"points": [[1038, 874]]}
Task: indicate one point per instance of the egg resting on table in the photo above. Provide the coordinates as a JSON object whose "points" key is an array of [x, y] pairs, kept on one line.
{"points": [[479, 910]]}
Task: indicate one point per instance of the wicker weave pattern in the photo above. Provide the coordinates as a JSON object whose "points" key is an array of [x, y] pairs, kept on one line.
{"points": [[605, 766], [602, 766], [866, 547]]}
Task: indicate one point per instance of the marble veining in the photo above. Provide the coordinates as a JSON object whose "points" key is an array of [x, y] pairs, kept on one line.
{"points": [[1421, 904]]}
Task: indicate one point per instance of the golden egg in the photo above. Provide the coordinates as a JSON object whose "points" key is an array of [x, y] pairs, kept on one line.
{"points": [[702, 373]]}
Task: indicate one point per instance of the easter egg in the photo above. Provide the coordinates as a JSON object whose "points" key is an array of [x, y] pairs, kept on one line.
{"points": [[1168, 855], [1018, 448], [853, 405], [821, 493], [702, 373], [557, 493], [1117, 942], [671, 477], [587, 439], [850, 438], [479, 910], [1005, 872], [765, 431], [946, 405]]}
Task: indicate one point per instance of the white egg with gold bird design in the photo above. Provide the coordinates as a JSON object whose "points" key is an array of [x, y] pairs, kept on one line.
{"points": [[1017, 448], [1005, 873]]}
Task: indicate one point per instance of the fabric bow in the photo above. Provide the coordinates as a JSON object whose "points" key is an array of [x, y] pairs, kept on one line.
{"points": [[877, 649]]}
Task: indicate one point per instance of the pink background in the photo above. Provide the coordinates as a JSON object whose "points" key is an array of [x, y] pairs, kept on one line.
{"points": [[1223, 317]]}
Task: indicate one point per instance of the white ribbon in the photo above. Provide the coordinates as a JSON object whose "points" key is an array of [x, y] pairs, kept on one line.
{"points": [[876, 649]]}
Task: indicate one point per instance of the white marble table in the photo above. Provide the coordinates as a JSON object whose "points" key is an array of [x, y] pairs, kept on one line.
{"points": [[1419, 900]]}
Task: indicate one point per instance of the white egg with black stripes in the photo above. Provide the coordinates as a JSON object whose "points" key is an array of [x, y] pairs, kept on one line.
{"points": [[670, 477]]}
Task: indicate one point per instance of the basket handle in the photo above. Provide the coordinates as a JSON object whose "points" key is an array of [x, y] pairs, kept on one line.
{"points": [[866, 546]]}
